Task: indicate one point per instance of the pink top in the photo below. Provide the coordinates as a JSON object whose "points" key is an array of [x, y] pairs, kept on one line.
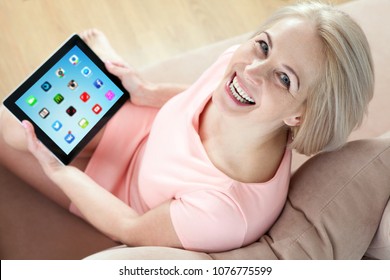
{"points": [[148, 157]]}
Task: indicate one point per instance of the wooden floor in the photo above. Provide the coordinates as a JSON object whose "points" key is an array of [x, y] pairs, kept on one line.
{"points": [[142, 31]]}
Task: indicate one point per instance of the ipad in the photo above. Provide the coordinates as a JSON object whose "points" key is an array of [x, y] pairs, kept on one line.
{"points": [[68, 99]]}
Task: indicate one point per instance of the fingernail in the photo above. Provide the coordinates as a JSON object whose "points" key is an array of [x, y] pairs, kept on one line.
{"points": [[24, 124]]}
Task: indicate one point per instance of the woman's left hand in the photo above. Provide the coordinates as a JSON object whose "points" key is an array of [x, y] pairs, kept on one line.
{"points": [[47, 160]]}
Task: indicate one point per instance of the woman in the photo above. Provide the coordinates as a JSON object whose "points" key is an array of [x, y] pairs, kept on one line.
{"points": [[208, 169]]}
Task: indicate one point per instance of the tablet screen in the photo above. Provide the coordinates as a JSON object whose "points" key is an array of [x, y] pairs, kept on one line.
{"points": [[69, 99]]}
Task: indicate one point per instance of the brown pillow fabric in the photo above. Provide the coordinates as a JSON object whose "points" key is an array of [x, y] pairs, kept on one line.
{"points": [[335, 204], [380, 245]]}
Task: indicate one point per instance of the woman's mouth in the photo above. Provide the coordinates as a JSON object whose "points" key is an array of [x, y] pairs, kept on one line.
{"points": [[238, 93]]}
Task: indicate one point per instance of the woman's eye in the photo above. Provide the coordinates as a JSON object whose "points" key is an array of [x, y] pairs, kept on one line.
{"points": [[285, 80], [264, 47]]}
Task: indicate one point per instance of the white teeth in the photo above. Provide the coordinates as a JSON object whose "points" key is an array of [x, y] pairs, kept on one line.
{"points": [[240, 94]]}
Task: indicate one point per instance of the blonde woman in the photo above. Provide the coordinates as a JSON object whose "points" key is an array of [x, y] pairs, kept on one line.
{"points": [[207, 167]]}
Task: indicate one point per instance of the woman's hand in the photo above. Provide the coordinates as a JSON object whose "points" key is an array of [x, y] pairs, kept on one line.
{"points": [[48, 162], [142, 92], [132, 81]]}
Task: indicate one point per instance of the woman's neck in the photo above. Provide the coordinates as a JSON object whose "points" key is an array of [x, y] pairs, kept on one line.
{"points": [[247, 154]]}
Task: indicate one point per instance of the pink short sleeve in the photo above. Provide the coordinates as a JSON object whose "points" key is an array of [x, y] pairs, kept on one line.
{"points": [[208, 221]]}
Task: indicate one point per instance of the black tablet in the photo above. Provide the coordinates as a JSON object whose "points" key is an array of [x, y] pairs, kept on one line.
{"points": [[68, 99]]}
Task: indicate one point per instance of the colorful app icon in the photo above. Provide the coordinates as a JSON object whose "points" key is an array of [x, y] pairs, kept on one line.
{"points": [[69, 137], [74, 59], [44, 113], [85, 96], [97, 109], [86, 71], [98, 83], [83, 123], [46, 86], [58, 98], [73, 84], [110, 95], [56, 125], [60, 73], [31, 100], [71, 111]]}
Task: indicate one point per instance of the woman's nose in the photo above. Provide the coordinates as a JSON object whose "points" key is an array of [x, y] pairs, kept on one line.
{"points": [[256, 71]]}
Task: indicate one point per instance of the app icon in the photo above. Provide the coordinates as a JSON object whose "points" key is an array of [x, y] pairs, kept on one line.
{"points": [[69, 137], [58, 98], [110, 95], [31, 100], [74, 59], [97, 109], [98, 83], [46, 86], [44, 113], [71, 111], [83, 123], [60, 73], [56, 125], [73, 84], [86, 71], [84, 96]]}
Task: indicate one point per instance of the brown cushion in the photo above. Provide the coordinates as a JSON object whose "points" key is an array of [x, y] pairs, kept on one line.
{"points": [[380, 245], [334, 206]]}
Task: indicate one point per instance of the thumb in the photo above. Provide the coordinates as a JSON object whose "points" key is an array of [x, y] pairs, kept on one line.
{"points": [[130, 78], [32, 141], [41, 153], [117, 69]]}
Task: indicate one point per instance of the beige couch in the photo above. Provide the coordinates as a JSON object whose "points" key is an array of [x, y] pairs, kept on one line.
{"points": [[335, 205]]}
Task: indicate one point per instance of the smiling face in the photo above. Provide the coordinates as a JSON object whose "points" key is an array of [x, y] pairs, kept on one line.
{"points": [[268, 78]]}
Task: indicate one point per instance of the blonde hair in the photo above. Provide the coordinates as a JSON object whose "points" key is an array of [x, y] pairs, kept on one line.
{"points": [[338, 101]]}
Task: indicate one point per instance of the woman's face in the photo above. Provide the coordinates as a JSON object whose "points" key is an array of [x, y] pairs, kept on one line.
{"points": [[268, 77]]}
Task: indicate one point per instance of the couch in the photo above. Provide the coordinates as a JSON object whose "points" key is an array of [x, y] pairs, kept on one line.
{"points": [[337, 206]]}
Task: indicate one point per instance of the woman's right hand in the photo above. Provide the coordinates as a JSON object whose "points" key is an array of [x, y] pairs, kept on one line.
{"points": [[142, 92], [132, 81]]}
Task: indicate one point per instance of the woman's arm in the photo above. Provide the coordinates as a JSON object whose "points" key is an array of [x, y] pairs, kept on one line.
{"points": [[142, 92], [102, 209]]}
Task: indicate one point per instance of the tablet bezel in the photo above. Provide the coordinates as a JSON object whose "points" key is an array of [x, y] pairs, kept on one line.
{"points": [[10, 101]]}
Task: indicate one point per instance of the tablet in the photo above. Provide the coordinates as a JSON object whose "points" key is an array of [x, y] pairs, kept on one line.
{"points": [[68, 99]]}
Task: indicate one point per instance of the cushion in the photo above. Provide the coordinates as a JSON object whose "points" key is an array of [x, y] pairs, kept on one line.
{"points": [[380, 245]]}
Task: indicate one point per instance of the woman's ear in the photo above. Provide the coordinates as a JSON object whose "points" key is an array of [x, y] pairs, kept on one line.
{"points": [[293, 121], [296, 118]]}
